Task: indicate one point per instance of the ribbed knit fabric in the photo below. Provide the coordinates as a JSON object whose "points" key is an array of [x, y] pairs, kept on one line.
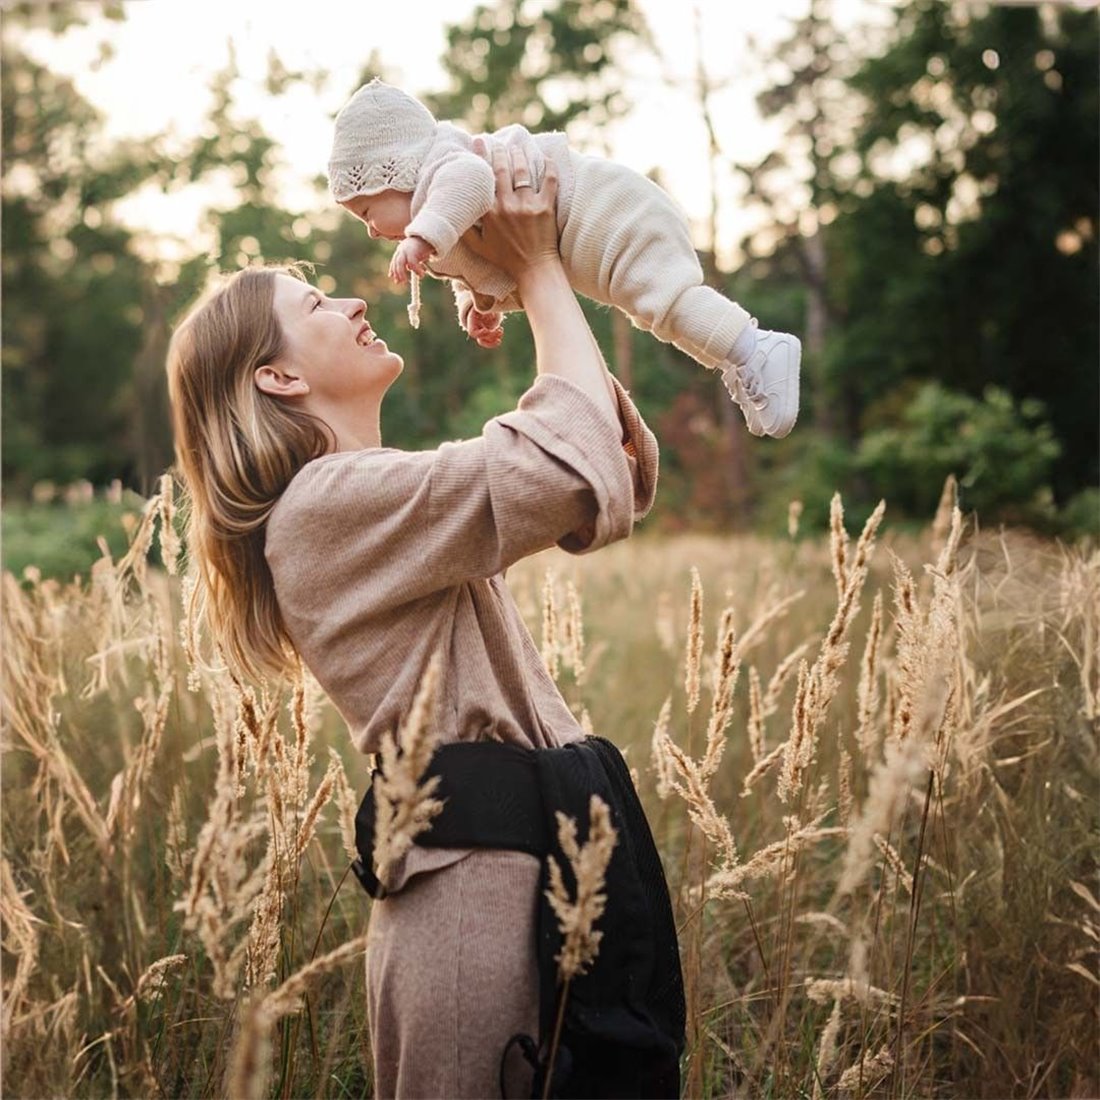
{"points": [[379, 140], [623, 240], [381, 557], [452, 975]]}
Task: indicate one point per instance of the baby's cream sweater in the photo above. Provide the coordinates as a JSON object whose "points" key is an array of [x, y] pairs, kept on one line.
{"points": [[455, 190], [622, 239]]}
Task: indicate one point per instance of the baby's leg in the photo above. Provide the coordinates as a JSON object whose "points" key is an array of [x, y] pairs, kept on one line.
{"points": [[627, 244]]}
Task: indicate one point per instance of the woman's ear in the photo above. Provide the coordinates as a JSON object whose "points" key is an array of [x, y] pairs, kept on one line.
{"points": [[277, 383]]}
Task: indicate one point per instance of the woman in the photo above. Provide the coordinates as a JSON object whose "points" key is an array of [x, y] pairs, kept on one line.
{"points": [[315, 541]]}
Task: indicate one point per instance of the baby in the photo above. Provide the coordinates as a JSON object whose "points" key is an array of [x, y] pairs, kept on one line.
{"points": [[622, 240]]}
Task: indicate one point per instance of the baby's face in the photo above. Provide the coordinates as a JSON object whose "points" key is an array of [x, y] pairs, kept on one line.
{"points": [[385, 214]]}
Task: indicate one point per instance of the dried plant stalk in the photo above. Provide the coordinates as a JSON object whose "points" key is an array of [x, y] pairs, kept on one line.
{"points": [[551, 645], [690, 781], [694, 658], [170, 545], [771, 614], [773, 860], [756, 722], [250, 1059], [838, 545], [890, 854], [403, 806], [577, 917], [867, 691], [782, 674], [727, 667], [659, 758], [891, 782], [821, 990], [574, 632], [945, 509], [818, 686], [347, 805], [866, 1074], [762, 767], [20, 937], [827, 1048], [844, 788]]}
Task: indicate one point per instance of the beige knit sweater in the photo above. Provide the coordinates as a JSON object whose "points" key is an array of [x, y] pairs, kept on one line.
{"points": [[381, 557]]}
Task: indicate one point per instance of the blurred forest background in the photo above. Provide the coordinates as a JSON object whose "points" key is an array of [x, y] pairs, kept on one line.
{"points": [[928, 223]]}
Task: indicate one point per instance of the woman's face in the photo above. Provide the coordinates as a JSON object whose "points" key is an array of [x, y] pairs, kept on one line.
{"points": [[330, 345], [386, 214]]}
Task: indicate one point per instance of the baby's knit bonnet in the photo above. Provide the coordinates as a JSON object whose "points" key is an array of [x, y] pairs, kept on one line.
{"points": [[382, 135]]}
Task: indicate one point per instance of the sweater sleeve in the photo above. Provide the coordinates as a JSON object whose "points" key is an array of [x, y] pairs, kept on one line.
{"points": [[554, 470], [460, 192]]}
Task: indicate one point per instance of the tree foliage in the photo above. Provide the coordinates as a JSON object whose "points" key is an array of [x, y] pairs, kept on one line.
{"points": [[968, 246], [544, 64], [930, 217]]}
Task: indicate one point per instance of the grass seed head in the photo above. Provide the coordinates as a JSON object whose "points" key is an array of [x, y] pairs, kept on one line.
{"points": [[577, 916]]}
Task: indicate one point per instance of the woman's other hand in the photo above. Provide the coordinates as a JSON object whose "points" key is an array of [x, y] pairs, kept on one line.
{"points": [[485, 328], [520, 233]]}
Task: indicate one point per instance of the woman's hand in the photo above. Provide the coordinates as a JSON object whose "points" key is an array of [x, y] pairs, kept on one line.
{"points": [[520, 234], [485, 328]]}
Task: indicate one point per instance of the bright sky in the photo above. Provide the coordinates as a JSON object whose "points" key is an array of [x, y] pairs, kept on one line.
{"points": [[167, 50]]}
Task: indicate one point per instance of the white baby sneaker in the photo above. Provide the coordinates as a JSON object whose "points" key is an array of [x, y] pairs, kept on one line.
{"points": [[766, 385]]}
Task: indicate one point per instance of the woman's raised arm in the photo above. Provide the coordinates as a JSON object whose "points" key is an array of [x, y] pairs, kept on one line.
{"points": [[520, 236]]}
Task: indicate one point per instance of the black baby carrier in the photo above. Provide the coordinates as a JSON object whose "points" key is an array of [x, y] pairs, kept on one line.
{"points": [[623, 1030]]}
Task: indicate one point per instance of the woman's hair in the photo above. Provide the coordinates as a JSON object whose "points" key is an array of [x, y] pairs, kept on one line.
{"points": [[237, 449]]}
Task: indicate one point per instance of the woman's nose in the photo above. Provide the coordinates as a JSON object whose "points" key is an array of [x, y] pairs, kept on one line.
{"points": [[355, 307]]}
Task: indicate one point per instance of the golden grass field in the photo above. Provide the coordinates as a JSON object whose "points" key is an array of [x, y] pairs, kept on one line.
{"points": [[870, 763]]}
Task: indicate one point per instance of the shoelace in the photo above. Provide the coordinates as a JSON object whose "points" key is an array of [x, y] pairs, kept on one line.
{"points": [[750, 387]]}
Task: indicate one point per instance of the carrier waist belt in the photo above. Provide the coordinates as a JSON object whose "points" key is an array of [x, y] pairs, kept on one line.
{"points": [[491, 799]]}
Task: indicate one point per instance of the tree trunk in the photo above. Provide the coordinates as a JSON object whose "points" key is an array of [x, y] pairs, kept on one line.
{"points": [[737, 471], [817, 325], [152, 430]]}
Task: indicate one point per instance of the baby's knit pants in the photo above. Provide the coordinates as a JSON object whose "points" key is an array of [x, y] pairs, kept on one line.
{"points": [[626, 244]]}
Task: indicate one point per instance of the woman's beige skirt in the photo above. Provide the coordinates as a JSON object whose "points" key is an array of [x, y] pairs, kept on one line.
{"points": [[452, 976]]}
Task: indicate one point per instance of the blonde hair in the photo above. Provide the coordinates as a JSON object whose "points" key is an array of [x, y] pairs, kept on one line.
{"points": [[237, 449]]}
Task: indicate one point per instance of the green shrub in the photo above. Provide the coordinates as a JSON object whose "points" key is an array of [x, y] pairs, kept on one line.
{"points": [[1000, 451], [60, 539]]}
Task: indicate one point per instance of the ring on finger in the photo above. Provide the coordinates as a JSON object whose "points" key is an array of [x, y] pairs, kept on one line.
{"points": [[521, 183]]}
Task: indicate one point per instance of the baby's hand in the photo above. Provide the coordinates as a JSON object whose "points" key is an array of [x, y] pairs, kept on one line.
{"points": [[485, 328], [412, 254]]}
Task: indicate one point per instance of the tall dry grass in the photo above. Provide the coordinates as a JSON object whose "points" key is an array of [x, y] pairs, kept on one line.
{"points": [[870, 762]]}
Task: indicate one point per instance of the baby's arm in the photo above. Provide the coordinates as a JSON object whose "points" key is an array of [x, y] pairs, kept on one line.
{"points": [[412, 254], [460, 192]]}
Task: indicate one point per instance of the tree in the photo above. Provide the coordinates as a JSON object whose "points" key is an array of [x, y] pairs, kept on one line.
{"points": [[88, 303], [546, 65], [969, 239], [796, 185], [71, 306]]}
